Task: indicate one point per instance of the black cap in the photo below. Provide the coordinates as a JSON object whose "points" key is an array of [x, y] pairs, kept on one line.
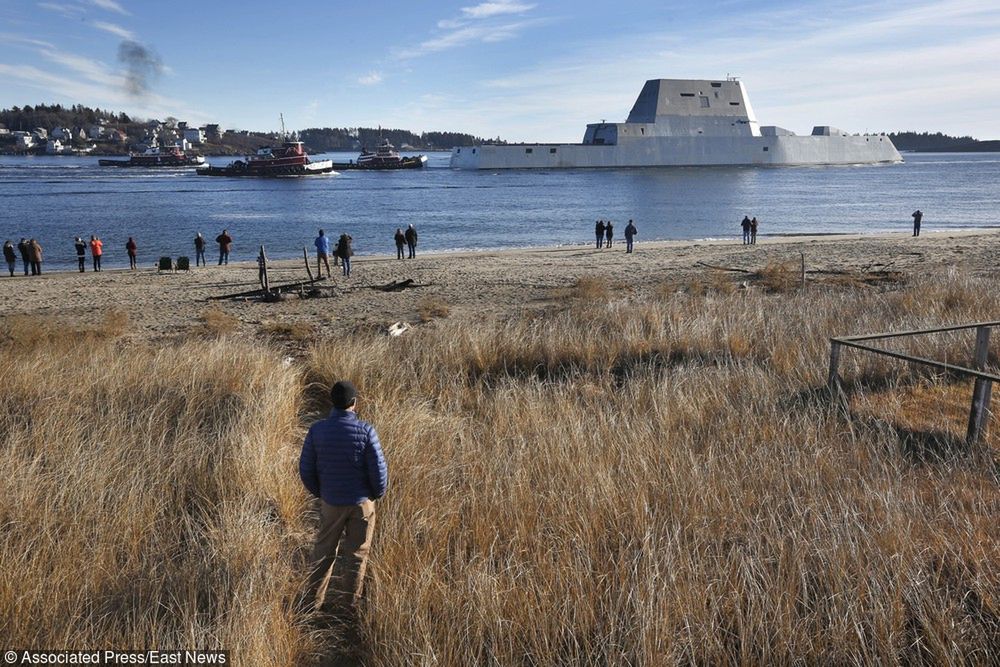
{"points": [[343, 393]]}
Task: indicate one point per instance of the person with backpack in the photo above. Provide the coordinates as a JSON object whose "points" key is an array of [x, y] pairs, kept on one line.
{"points": [[345, 252]]}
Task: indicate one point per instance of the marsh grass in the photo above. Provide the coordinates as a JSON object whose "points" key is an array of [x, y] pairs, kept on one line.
{"points": [[215, 322], [632, 479]]}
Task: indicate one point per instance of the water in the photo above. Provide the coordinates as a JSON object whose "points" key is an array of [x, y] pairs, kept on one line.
{"points": [[57, 198]]}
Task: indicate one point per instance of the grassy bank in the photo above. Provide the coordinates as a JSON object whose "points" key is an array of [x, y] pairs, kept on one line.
{"points": [[625, 478]]}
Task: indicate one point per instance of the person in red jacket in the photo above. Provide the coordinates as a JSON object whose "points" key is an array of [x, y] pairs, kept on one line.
{"points": [[96, 250], [132, 250], [225, 242]]}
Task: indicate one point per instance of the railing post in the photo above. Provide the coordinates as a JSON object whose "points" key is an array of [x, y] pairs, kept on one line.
{"points": [[981, 391], [833, 379]]}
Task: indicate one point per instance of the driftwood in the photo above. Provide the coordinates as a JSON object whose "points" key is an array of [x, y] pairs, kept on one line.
{"points": [[397, 285], [277, 289], [305, 256], [723, 268]]}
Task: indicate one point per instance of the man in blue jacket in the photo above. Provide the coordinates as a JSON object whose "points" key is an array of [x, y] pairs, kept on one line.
{"points": [[322, 244], [342, 465]]}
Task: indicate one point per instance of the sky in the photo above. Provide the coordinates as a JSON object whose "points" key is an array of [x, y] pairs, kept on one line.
{"points": [[523, 70]]}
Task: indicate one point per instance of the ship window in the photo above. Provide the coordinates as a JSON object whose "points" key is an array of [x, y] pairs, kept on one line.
{"points": [[459, 150], [473, 150], [734, 104], [687, 94], [765, 149], [527, 150], [552, 150], [642, 130], [704, 102], [716, 85]]}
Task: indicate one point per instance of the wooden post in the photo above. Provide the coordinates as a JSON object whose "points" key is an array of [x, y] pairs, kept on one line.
{"points": [[802, 279], [981, 391], [833, 379], [262, 271], [305, 256]]}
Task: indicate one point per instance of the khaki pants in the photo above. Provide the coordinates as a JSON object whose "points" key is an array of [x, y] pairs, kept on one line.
{"points": [[343, 542]]}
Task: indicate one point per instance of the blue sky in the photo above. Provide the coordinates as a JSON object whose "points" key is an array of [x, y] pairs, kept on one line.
{"points": [[524, 70]]}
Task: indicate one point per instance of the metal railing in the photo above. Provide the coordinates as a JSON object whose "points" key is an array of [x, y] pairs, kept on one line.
{"points": [[981, 392]]}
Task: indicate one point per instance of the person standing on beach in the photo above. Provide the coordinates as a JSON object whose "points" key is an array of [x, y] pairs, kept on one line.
{"points": [[199, 250], [753, 231], [22, 248], [35, 257], [322, 244], [345, 252], [96, 250], [630, 232], [411, 241], [609, 232], [746, 230], [225, 242], [342, 465], [10, 256], [400, 239], [599, 233], [81, 253], [132, 249], [918, 215]]}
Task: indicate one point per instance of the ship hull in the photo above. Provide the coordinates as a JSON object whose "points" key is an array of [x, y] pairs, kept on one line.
{"points": [[417, 162], [160, 161], [683, 152], [270, 171]]}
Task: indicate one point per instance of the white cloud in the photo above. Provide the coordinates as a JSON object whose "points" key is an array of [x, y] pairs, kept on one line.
{"points": [[370, 79], [496, 8], [111, 6], [114, 29], [66, 9], [20, 40]]}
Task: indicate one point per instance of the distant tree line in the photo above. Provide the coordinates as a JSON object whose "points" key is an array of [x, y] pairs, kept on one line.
{"points": [[325, 139], [938, 142], [48, 116]]}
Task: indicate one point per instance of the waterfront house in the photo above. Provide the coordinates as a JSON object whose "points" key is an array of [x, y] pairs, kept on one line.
{"points": [[195, 135], [96, 132]]}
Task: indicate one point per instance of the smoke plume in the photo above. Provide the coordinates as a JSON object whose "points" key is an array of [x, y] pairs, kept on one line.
{"points": [[142, 66]]}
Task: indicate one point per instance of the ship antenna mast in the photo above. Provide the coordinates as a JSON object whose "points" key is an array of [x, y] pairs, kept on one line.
{"points": [[282, 117]]}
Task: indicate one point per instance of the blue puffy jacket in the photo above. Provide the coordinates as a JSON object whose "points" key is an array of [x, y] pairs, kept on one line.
{"points": [[342, 460], [322, 244]]}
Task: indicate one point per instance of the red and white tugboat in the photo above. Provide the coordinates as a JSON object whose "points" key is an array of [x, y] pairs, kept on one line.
{"points": [[386, 157], [153, 156], [289, 160]]}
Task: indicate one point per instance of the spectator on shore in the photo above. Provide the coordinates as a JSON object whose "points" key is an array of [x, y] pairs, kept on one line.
{"points": [[609, 232], [10, 256], [630, 232], [199, 250], [96, 250], [133, 250], [35, 257], [599, 233], [753, 230], [225, 242], [345, 252], [343, 466], [917, 215], [746, 230], [322, 244], [411, 241], [22, 248], [81, 253], [400, 239]]}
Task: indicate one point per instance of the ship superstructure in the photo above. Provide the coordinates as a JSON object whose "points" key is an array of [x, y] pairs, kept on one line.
{"points": [[686, 122]]}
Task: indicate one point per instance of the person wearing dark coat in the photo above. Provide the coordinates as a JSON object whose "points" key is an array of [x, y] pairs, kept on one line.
{"points": [[400, 239], [22, 248], [599, 232], [630, 232], [753, 230], [133, 250], [225, 242], [81, 253], [343, 466], [609, 232], [199, 250], [10, 256], [345, 252], [746, 230], [411, 240], [917, 215]]}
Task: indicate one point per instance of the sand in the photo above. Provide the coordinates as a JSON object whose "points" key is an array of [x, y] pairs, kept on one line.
{"points": [[162, 306]]}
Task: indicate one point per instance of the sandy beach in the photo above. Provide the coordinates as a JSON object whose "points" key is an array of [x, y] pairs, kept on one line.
{"points": [[477, 284]]}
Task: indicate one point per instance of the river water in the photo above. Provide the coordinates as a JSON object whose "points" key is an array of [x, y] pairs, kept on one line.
{"points": [[57, 198]]}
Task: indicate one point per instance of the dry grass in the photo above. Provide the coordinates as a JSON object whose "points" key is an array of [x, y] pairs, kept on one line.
{"points": [[431, 308], [216, 322], [634, 481], [298, 332]]}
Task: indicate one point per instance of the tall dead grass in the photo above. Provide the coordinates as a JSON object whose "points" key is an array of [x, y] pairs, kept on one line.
{"points": [[637, 481]]}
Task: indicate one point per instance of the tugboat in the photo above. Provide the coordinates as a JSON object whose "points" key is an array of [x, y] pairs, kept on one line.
{"points": [[289, 160], [172, 156], [385, 157]]}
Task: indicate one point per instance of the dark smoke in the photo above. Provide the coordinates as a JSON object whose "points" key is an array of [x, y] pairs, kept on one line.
{"points": [[142, 66]]}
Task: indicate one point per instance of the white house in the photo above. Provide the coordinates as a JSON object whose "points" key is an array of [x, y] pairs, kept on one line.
{"points": [[195, 135], [62, 133], [24, 140], [53, 147]]}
